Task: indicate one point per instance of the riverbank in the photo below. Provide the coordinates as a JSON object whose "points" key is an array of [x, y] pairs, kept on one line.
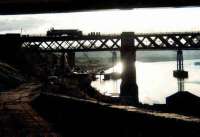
{"points": [[72, 116], [143, 56]]}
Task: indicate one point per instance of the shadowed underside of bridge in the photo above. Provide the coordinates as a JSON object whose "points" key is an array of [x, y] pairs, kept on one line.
{"points": [[173, 41], [46, 6]]}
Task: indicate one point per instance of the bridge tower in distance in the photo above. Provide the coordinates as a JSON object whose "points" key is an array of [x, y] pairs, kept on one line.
{"points": [[180, 74], [114, 59]]}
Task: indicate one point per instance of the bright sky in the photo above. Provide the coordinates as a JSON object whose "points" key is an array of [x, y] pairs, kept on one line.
{"points": [[107, 21]]}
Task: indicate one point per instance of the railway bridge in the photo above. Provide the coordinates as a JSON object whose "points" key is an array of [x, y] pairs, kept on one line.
{"points": [[127, 43]]}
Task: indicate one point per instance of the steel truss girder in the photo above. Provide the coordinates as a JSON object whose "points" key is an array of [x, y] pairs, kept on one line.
{"points": [[173, 41]]}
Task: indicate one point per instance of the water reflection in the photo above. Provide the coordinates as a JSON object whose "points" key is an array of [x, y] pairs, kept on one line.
{"points": [[155, 80]]}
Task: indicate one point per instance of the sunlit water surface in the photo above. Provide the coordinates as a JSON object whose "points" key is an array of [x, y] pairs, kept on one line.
{"points": [[155, 80]]}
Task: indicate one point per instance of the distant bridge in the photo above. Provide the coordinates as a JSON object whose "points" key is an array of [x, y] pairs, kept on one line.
{"points": [[127, 43], [162, 41]]}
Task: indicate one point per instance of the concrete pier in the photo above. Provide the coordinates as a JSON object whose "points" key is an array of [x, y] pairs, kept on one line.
{"points": [[128, 88]]}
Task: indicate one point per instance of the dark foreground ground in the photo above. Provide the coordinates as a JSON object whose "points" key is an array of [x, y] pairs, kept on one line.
{"points": [[28, 112], [74, 117], [38, 109], [18, 118]]}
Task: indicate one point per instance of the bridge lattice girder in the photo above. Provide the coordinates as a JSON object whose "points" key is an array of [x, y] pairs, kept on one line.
{"points": [[173, 41]]}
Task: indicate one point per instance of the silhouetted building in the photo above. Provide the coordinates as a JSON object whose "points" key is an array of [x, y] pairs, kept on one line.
{"points": [[184, 102]]}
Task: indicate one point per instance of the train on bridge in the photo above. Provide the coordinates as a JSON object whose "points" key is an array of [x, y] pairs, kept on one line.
{"points": [[65, 32]]}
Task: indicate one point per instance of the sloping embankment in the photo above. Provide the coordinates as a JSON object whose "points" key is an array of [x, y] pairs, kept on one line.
{"points": [[9, 77]]}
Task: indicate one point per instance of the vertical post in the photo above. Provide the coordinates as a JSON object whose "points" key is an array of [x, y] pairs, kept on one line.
{"points": [[180, 74], [71, 59], [65, 69], [128, 88]]}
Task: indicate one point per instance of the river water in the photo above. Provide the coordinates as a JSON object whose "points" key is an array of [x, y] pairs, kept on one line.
{"points": [[155, 80]]}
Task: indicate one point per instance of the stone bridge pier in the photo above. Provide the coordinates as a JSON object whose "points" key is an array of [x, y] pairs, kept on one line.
{"points": [[128, 87]]}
